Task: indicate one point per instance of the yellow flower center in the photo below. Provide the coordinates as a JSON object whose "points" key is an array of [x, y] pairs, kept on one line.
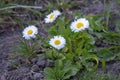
{"points": [[30, 32], [57, 42], [51, 16], [79, 25]]}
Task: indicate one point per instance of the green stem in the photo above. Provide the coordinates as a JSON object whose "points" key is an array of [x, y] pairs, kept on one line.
{"points": [[43, 40]]}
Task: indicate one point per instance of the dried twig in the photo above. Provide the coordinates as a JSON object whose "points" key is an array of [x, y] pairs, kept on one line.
{"points": [[21, 6]]}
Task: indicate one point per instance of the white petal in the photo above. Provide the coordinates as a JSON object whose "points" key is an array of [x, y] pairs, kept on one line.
{"points": [[33, 28], [56, 14], [61, 45], [83, 20]]}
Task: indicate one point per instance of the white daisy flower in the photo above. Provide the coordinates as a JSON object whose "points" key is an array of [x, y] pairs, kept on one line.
{"points": [[30, 32], [57, 42], [52, 16], [79, 25]]}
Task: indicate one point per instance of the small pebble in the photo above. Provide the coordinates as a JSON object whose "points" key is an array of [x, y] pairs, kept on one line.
{"points": [[41, 62], [34, 60], [38, 76], [35, 68], [3, 77]]}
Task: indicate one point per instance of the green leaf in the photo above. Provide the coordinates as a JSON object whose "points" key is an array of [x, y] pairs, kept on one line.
{"points": [[52, 31], [109, 53], [88, 62], [49, 74], [103, 64], [72, 71]]}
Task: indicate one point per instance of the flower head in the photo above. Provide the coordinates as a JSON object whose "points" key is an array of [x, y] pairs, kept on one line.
{"points": [[79, 25], [52, 16], [57, 42], [30, 32]]}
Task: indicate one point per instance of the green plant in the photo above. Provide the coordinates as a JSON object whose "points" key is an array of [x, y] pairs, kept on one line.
{"points": [[80, 50], [107, 41], [63, 69], [86, 75], [27, 49], [77, 52]]}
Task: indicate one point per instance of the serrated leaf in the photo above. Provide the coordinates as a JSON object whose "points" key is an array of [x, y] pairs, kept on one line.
{"points": [[49, 74]]}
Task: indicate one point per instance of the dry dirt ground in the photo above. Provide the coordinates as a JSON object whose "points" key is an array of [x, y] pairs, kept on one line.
{"points": [[15, 69]]}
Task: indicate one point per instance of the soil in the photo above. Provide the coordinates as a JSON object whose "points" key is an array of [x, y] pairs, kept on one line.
{"points": [[16, 69]]}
